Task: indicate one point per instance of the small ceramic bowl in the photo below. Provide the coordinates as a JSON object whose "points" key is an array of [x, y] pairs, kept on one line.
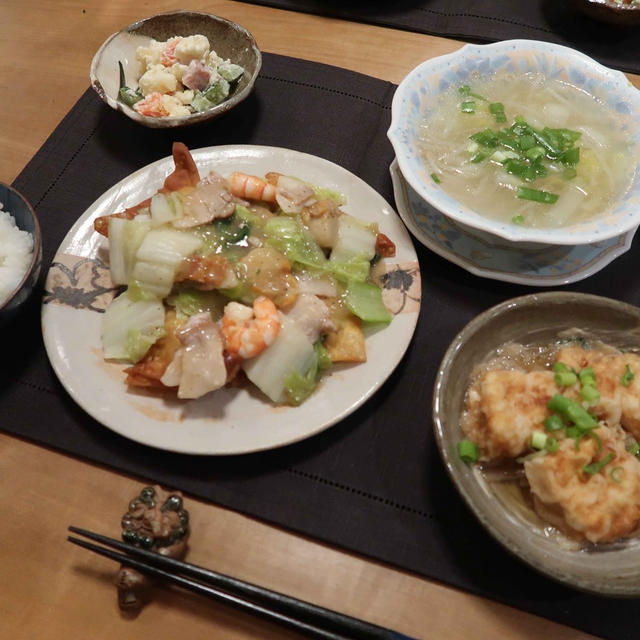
{"points": [[25, 218], [616, 13], [609, 569], [420, 89], [228, 39]]}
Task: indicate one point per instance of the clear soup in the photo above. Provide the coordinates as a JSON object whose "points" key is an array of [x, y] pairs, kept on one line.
{"points": [[483, 179]]}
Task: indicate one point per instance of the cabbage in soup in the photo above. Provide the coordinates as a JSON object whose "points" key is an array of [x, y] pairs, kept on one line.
{"points": [[527, 150]]}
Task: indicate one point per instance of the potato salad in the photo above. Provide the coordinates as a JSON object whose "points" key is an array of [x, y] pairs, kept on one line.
{"points": [[179, 77], [239, 277]]}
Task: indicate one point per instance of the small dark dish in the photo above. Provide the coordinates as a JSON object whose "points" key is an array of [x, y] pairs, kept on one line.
{"points": [[610, 569], [15, 204], [227, 38], [615, 13]]}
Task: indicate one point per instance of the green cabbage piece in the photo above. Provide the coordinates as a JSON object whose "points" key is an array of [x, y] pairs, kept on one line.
{"points": [[365, 301], [290, 238], [137, 343], [188, 301], [299, 387], [322, 193]]}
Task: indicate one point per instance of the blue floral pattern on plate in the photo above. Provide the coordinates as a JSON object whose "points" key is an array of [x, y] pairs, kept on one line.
{"points": [[492, 257]]}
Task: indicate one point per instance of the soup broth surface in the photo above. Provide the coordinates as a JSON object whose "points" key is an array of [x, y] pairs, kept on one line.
{"points": [[602, 174]]}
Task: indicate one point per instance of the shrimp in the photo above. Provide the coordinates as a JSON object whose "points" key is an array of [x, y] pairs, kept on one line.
{"points": [[151, 106], [248, 332], [251, 187], [169, 53], [184, 176]]}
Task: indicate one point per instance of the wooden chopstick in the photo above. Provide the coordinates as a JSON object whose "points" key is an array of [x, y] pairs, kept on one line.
{"points": [[309, 619]]}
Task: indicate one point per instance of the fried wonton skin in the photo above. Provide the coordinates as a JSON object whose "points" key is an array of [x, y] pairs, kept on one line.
{"points": [[184, 176], [347, 343], [149, 371]]}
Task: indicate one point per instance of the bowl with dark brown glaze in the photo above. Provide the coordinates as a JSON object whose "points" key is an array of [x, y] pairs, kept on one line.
{"points": [[621, 14], [229, 40], [611, 568]]}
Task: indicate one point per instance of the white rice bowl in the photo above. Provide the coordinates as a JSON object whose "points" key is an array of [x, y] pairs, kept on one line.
{"points": [[16, 253]]}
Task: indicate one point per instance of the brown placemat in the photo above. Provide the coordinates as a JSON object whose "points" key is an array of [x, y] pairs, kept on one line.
{"points": [[487, 21], [374, 483]]}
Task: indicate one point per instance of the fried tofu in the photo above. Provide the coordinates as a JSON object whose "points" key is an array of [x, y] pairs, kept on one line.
{"points": [[504, 408], [347, 343], [598, 507], [618, 403]]}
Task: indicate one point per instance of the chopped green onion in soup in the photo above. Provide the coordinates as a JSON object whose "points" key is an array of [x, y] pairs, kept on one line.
{"points": [[556, 158]]}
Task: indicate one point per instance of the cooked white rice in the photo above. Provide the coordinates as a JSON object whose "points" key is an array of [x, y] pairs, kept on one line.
{"points": [[16, 251]]}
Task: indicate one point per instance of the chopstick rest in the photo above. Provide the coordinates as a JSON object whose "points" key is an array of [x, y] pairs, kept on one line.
{"points": [[155, 520], [310, 620]]}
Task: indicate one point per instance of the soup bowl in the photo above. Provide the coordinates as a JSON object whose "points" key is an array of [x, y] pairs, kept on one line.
{"points": [[607, 568], [417, 96]]}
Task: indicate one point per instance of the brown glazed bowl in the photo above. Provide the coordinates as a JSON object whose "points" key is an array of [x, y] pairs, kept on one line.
{"points": [[615, 13], [609, 569], [227, 38]]}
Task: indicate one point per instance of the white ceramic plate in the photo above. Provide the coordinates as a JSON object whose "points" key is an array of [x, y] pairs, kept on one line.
{"points": [[230, 420], [489, 256]]}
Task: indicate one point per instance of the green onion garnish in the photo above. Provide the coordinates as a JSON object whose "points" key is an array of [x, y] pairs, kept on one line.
{"points": [[434, 177], [587, 375], [547, 141], [479, 157], [497, 110], [573, 411], [465, 90], [596, 439], [565, 378], [486, 138], [590, 394], [517, 220], [571, 156], [552, 445], [523, 150], [536, 195], [468, 451], [538, 440], [573, 432], [553, 423], [627, 377], [534, 153], [468, 106], [560, 367], [596, 467], [526, 142], [633, 448], [615, 474]]}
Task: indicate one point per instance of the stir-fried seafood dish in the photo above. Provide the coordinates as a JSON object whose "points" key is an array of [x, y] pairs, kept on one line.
{"points": [[179, 77], [571, 419], [266, 278]]}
